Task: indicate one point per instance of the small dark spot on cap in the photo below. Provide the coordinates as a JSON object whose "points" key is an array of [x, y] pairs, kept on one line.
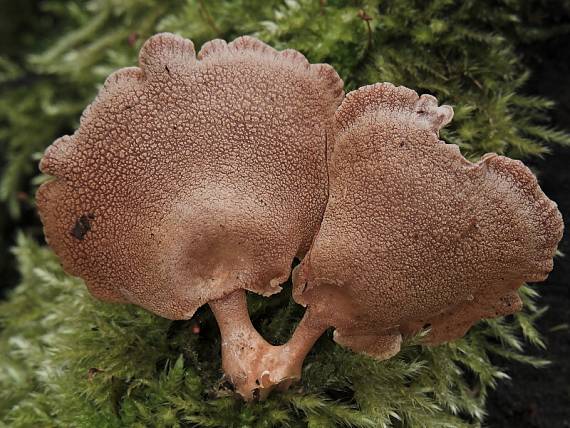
{"points": [[82, 226]]}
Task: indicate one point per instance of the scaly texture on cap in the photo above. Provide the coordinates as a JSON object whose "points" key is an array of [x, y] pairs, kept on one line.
{"points": [[190, 178], [414, 235]]}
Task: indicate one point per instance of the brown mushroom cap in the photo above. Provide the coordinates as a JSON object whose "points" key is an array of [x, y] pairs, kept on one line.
{"points": [[414, 235], [191, 178]]}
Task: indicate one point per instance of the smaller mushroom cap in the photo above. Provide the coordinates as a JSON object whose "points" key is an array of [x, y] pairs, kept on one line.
{"points": [[414, 235], [190, 178]]}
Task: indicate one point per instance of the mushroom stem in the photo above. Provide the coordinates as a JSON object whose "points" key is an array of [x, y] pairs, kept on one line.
{"points": [[254, 366], [309, 329], [242, 346]]}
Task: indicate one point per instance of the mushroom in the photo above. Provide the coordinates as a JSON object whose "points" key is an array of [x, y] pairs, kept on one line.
{"points": [[415, 236], [191, 180]]}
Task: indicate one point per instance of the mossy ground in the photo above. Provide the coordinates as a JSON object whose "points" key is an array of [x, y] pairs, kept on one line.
{"points": [[68, 360]]}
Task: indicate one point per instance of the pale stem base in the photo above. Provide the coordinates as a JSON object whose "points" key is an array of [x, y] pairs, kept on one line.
{"points": [[254, 366]]}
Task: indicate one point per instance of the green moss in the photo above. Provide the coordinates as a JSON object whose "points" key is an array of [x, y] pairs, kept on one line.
{"points": [[68, 360]]}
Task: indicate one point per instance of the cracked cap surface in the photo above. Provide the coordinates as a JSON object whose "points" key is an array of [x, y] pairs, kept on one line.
{"points": [[414, 235], [189, 178]]}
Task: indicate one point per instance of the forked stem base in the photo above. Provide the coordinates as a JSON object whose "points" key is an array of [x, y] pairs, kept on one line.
{"points": [[254, 366]]}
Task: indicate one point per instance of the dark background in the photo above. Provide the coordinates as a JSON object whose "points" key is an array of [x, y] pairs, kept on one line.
{"points": [[541, 397]]}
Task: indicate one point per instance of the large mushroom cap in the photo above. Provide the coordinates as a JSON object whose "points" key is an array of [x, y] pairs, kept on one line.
{"points": [[414, 235], [191, 178]]}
